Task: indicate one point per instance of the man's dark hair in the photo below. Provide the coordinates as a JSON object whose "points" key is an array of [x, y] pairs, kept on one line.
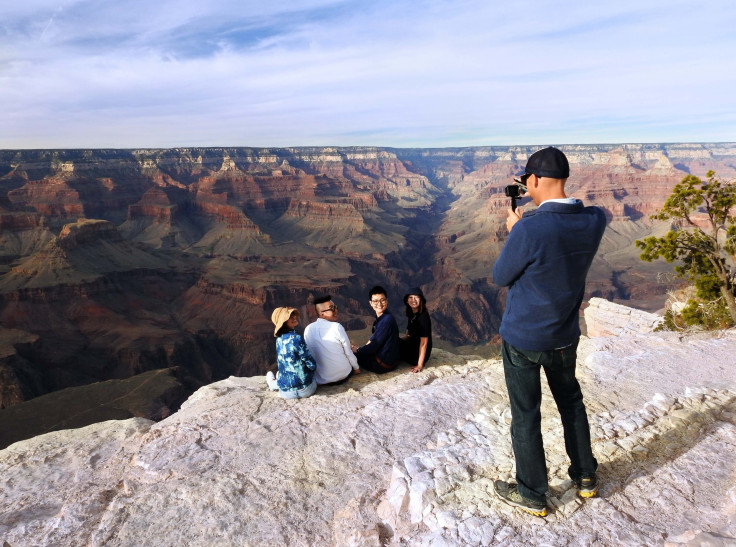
{"points": [[377, 290], [321, 300]]}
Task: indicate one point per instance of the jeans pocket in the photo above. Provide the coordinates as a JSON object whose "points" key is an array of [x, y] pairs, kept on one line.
{"points": [[569, 356], [520, 357]]}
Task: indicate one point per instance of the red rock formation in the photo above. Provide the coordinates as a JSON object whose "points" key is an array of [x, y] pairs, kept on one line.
{"points": [[155, 205], [194, 247], [49, 197], [232, 217], [87, 231], [16, 222], [322, 215]]}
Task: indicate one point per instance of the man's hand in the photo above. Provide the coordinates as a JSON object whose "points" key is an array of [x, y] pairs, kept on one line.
{"points": [[513, 217], [356, 371]]}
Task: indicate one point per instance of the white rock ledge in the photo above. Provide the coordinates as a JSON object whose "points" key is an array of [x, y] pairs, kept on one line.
{"points": [[402, 459], [605, 318]]}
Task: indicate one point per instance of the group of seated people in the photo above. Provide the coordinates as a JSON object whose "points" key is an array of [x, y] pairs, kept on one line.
{"points": [[325, 356]]}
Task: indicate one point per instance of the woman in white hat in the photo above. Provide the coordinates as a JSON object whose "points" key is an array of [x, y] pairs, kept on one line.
{"points": [[295, 379]]}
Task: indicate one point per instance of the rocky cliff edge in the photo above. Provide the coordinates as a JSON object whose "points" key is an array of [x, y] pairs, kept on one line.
{"points": [[402, 459]]}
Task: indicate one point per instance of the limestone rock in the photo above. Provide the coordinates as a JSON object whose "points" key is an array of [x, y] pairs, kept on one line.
{"points": [[605, 318], [399, 459]]}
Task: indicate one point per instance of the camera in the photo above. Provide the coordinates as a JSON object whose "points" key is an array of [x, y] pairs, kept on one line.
{"points": [[514, 191]]}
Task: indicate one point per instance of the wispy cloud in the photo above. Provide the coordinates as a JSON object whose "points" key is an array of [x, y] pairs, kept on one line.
{"points": [[128, 73]]}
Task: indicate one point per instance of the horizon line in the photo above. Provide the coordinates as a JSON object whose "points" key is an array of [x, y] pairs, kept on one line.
{"points": [[217, 147]]}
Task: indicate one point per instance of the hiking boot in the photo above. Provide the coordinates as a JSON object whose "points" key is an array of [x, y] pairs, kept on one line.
{"points": [[587, 487], [509, 493]]}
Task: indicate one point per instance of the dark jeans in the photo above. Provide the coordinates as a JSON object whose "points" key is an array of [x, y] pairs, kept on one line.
{"points": [[374, 364], [409, 352], [521, 368]]}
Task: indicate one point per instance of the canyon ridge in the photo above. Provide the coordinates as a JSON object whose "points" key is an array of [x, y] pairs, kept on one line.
{"points": [[115, 263]]}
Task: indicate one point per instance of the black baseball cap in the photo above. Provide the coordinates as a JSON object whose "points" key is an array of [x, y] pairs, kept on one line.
{"points": [[547, 162]]}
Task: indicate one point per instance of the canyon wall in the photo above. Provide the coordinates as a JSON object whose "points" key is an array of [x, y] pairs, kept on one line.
{"points": [[117, 262]]}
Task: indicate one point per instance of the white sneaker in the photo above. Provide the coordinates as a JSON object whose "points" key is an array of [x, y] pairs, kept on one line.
{"points": [[271, 381]]}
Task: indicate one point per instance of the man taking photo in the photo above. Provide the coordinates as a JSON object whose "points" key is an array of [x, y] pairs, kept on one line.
{"points": [[544, 263]]}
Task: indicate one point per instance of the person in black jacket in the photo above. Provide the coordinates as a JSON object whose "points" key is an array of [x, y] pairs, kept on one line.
{"points": [[381, 353], [416, 345]]}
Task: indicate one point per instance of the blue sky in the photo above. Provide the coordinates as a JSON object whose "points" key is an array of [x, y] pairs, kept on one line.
{"points": [[165, 73]]}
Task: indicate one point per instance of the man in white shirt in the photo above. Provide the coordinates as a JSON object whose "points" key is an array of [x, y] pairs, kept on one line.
{"points": [[329, 345]]}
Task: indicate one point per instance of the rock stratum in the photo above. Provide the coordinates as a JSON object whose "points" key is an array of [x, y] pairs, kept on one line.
{"points": [[399, 459], [118, 262]]}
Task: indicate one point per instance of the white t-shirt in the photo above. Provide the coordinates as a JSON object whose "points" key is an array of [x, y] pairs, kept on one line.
{"points": [[329, 345]]}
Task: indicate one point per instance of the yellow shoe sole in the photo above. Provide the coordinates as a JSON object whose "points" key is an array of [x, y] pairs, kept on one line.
{"points": [[540, 513]]}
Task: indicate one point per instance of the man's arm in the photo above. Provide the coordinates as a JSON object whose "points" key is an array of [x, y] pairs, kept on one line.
{"points": [[514, 257], [342, 338], [378, 338]]}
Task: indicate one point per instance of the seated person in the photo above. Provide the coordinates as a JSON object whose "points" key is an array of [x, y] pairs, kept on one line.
{"points": [[329, 345], [381, 353], [295, 379], [415, 346]]}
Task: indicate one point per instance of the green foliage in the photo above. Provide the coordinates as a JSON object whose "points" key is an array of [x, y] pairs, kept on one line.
{"points": [[711, 315], [669, 322], [705, 255], [697, 313]]}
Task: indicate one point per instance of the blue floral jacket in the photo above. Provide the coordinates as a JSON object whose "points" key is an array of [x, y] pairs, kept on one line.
{"points": [[296, 364]]}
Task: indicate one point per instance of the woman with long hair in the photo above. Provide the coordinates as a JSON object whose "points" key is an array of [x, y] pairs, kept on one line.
{"points": [[416, 344]]}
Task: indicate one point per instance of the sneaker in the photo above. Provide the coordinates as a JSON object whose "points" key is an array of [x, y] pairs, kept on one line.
{"points": [[587, 487], [509, 493], [271, 381]]}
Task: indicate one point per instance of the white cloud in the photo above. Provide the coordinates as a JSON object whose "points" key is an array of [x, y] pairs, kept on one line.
{"points": [[134, 73]]}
